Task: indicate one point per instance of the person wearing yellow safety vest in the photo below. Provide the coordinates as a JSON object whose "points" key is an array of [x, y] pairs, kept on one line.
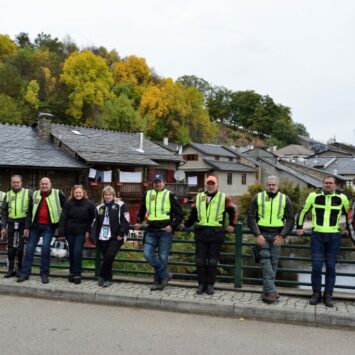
{"points": [[2, 196], [270, 218], [208, 213], [164, 213], [45, 208], [15, 219], [327, 207]]}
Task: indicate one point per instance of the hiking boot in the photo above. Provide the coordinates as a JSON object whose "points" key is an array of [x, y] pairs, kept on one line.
{"points": [[315, 299], [77, 280], [107, 283], [268, 297], [44, 279], [201, 289], [164, 282], [100, 281], [210, 290], [23, 278], [155, 286], [10, 274], [71, 278], [328, 300]]}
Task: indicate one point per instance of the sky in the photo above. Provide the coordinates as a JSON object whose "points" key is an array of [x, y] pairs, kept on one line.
{"points": [[299, 52]]}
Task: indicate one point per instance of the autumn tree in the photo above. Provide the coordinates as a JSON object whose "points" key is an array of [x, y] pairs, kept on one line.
{"points": [[7, 47], [10, 112], [89, 80]]}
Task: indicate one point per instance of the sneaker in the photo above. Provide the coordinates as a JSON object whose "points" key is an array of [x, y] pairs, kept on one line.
{"points": [[315, 299], [268, 298], [201, 289], [10, 274], [44, 279], [107, 283], [210, 290], [77, 280], [23, 278], [164, 282], [100, 281]]}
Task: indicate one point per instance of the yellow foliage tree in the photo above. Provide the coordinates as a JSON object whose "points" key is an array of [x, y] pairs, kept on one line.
{"points": [[90, 80], [176, 111], [31, 95], [7, 46], [132, 70]]}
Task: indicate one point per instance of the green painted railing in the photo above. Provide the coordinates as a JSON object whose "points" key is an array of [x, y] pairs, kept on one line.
{"points": [[236, 266]]}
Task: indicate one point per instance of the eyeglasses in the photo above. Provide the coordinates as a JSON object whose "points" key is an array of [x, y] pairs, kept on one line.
{"points": [[328, 183]]}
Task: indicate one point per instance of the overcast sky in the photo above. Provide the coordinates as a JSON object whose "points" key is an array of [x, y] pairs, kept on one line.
{"points": [[300, 52]]}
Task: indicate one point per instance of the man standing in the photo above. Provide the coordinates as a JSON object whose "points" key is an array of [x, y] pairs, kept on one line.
{"points": [[208, 212], [15, 221], [2, 196], [46, 208], [164, 215], [270, 218], [327, 207]]}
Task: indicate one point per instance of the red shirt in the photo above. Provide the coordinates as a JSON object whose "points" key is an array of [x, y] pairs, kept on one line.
{"points": [[43, 211]]}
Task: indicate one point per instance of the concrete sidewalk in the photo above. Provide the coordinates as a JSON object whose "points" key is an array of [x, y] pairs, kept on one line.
{"points": [[178, 298]]}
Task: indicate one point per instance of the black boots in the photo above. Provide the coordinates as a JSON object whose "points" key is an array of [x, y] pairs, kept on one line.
{"points": [[316, 298], [328, 300]]}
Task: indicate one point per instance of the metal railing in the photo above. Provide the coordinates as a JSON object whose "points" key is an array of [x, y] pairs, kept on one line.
{"points": [[236, 266]]}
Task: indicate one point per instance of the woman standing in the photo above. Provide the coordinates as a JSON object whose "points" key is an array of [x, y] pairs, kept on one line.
{"points": [[110, 226], [75, 222]]}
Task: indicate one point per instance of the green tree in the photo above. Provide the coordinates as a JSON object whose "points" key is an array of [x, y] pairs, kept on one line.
{"points": [[23, 40], [11, 82], [9, 110], [89, 80], [301, 129], [119, 114]]}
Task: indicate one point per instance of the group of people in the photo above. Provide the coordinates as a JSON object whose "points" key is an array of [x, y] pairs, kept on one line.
{"points": [[27, 215]]}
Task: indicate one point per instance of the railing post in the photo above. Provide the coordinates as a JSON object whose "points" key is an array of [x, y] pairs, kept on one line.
{"points": [[238, 244]]}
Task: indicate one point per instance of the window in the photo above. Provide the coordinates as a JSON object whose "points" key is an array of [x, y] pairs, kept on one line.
{"points": [[190, 157], [230, 159], [229, 178], [244, 179], [217, 157]]}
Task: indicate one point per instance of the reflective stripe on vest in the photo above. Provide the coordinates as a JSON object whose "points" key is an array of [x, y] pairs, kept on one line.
{"points": [[53, 203], [158, 205], [17, 203], [211, 214], [271, 210], [2, 195]]}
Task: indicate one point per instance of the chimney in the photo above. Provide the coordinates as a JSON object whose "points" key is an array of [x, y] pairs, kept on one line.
{"points": [[165, 140], [44, 124], [141, 137]]}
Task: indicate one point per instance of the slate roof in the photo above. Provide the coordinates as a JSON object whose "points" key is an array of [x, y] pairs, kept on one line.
{"points": [[342, 166], [21, 146], [318, 163], [300, 175], [294, 149], [105, 146], [229, 166], [213, 149]]}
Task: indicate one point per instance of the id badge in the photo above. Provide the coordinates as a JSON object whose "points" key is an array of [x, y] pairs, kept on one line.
{"points": [[16, 225], [105, 232]]}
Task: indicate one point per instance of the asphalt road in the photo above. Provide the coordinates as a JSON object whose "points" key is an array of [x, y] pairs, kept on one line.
{"points": [[39, 326]]}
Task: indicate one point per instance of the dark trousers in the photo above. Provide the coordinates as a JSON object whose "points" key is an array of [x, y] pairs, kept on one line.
{"points": [[109, 250], [76, 244], [15, 245], [208, 249]]}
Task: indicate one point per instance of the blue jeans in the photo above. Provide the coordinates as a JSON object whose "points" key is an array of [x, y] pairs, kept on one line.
{"points": [[45, 231], [324, 249], [163, 241], [269, 258], [76, 244]]}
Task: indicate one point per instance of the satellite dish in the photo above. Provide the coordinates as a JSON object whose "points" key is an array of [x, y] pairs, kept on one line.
{"points": [[179, 175]]}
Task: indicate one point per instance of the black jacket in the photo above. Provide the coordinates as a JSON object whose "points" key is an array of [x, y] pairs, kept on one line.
{"points": [[118, 216], [77, 217]]}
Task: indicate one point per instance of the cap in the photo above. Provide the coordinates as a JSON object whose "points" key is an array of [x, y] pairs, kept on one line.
{"points": [[158, 177], [211, 179]]}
